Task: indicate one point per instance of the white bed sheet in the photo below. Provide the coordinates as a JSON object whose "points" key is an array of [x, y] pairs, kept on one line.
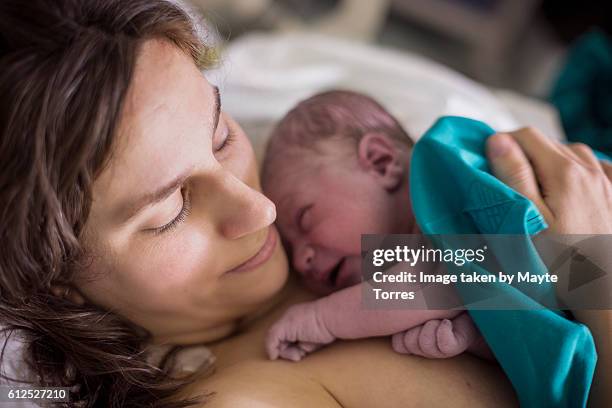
{"points": [[262, 76]]}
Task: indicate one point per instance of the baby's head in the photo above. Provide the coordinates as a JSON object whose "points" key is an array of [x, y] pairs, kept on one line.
{"points": [[336, 167]]}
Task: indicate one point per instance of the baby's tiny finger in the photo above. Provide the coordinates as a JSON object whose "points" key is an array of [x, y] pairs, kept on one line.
{"points": [[464, 330], [428, 340], [447, 341], [308, 347], [411, 341], [292, 353], [272, 345], [272, 352], [284, 345], [397, 343]]}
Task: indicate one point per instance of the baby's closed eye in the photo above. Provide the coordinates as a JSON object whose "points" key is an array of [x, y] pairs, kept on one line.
{"points": [[304, 217]]}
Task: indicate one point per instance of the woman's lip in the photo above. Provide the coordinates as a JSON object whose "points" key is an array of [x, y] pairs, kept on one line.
{"points": [[261, 256]]}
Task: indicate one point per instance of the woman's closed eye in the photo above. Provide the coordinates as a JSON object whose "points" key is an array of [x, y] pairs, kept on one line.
{"points": [[224, 135], [177, 209], [222, 138]]}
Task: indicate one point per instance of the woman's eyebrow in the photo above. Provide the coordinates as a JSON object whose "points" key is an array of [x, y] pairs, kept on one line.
{"points": [[131, 209]]}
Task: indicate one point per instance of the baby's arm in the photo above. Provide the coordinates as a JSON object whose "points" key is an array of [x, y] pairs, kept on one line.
{"points": [[307, 326], [346, 318]]}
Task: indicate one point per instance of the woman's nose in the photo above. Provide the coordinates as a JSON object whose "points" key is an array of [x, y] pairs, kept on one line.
{"points": [[243, 210], [303, 258]]}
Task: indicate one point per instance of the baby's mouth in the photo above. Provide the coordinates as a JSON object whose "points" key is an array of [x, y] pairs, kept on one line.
{"points": [[332, 278]]}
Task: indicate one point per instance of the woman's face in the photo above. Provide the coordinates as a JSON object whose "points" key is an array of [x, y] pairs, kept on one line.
{"points": [[178, 208]]}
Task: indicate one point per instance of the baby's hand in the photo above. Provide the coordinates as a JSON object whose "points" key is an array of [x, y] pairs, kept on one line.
{"points": [[298, 332], [438, 338]]}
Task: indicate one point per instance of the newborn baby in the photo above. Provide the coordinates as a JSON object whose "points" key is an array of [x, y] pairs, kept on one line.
{"points": [[337, 167]]}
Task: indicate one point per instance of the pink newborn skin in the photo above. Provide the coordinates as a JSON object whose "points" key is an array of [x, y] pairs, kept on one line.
{"points": [[337, 167], [306, 327]]}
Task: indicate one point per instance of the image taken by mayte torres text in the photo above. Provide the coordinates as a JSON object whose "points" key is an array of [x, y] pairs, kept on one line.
{"points": [[479, 271]]}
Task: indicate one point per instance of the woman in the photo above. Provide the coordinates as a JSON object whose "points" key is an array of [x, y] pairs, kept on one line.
{"points": [[132, 216]]}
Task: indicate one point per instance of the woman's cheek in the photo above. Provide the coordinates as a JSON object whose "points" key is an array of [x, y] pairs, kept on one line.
{"points": [[181, 264]]}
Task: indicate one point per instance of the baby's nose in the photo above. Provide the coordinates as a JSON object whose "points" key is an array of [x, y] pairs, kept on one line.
{"points": [[303, 259]]}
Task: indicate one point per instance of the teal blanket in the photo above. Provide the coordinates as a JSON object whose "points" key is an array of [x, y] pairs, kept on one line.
{"points": [[549, 359]]}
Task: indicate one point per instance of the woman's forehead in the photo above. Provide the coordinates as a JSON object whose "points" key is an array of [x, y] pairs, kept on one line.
{"points": [[167, 118], [167, 92]]}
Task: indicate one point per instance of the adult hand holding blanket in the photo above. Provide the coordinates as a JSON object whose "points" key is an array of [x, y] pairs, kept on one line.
{"points": [[571, 176]]}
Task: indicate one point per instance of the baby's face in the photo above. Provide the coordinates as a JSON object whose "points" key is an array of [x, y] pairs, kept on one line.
{"points": [[323, 206]]}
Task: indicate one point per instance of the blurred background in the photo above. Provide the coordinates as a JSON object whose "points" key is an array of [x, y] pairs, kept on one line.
{"points": [[513, 44], [547, 62]]}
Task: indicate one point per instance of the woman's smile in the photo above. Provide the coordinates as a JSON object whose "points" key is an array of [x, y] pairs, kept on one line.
{"points": [[262, 256]]}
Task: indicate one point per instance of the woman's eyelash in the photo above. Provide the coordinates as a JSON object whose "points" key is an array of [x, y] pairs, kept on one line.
{"points": [[228, 140], [180, 217]]}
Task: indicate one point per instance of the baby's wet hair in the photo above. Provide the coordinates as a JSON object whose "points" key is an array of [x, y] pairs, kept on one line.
{"points": [[335, 113]]}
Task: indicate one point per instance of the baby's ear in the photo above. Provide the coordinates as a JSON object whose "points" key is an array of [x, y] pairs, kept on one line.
{"points": [[378, 154]]}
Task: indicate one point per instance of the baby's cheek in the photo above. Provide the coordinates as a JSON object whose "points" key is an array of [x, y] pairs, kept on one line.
{"points": [[347, 228], [337, 235]]}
